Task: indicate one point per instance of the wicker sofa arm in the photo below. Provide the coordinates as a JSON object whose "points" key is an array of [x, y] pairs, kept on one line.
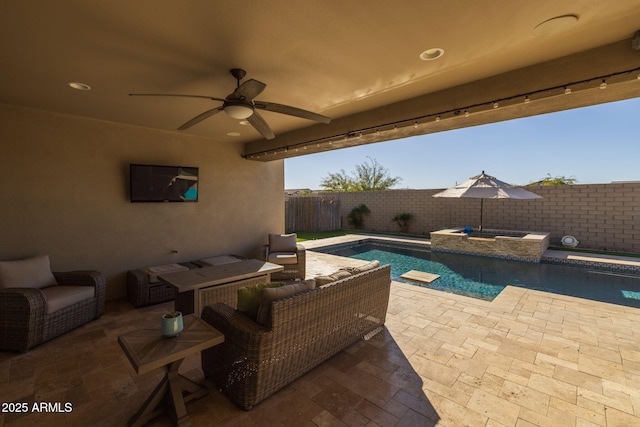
{"points": [[301, 253], [85, 278], [80, 278], [20, 308], [264, 252], [235, 326]]}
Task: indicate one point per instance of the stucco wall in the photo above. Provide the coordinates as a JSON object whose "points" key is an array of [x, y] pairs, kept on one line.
{"points": [[65, 193], [601, 216]]}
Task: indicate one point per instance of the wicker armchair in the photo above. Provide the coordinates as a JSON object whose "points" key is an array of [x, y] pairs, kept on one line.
{"points": [[25, 323], [283, 250], [304, 330]]}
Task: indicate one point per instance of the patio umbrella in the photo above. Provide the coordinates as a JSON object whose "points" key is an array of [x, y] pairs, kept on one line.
{"points": [[486, 187]]}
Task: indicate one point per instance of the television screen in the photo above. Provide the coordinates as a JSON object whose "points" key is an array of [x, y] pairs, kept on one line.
{"points": [[153, 183]]}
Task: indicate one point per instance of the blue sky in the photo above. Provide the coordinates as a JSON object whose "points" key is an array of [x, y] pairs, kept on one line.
{"points": [[595, 145]]}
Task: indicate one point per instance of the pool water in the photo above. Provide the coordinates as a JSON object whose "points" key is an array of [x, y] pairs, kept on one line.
{"points": [[484, 277]]}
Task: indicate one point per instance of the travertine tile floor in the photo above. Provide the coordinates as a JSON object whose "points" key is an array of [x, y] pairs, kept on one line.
{"points": [[528, 358]]}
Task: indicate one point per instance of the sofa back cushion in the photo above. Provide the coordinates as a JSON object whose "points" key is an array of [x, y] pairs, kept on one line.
{"points": [[282, 242], [27, 273], [337, 275], [268, 295], [249, 298], [362, 268]]}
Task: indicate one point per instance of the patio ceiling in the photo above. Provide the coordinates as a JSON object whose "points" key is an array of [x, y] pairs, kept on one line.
{"points": [[357, 64]]}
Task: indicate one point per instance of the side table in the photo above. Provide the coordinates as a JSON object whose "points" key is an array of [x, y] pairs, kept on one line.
{"points": [[147, 350]]}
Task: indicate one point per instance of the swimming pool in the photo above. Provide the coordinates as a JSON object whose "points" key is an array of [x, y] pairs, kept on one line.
{"points": [[484, 277]]}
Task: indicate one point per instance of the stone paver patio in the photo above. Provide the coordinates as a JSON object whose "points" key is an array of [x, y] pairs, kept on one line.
{"points": [[528, 358]]}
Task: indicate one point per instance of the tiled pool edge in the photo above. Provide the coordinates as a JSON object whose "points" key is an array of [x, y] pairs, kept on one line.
{"points": [[595, 265], [600, 265]]}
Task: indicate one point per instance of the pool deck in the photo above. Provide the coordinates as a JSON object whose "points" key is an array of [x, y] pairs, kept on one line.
{"points": [[527, 358]]}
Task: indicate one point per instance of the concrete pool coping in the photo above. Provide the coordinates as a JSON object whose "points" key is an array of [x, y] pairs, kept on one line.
{"points": [[612, 262]]}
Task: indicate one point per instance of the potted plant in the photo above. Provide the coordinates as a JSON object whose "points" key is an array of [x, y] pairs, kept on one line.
{"points": [[172, 324]]}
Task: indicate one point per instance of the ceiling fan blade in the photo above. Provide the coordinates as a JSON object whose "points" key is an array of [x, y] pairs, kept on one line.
{"points": [[248, 90], [200, 117], [261, 126], [291, 111], [179, 95]]}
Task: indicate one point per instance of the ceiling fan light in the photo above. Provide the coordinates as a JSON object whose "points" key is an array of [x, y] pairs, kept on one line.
{"points": [[239, 111]]}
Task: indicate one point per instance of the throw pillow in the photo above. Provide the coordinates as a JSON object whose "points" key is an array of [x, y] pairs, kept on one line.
{"points": [[267, 296], [310, 282], [282, 242], [249, 298], [362, 268], [340, 274], [27, 273]]}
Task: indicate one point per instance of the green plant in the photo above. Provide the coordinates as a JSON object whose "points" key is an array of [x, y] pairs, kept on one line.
{"points": [[557, 180], [368, 176], [403, 221], [356, 216], [172, 315]]}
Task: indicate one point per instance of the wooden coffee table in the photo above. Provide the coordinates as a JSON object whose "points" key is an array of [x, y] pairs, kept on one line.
{"points": [[147, 350], [202, 286]]}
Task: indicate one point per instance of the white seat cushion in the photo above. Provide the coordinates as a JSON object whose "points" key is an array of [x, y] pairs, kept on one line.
{"points": [[59, 297], [282, 258]]}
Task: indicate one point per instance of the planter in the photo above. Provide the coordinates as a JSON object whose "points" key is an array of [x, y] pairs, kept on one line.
{"points": [[172, 324]]}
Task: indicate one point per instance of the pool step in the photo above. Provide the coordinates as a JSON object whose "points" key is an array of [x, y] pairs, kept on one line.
{"points": [[420, 276]]}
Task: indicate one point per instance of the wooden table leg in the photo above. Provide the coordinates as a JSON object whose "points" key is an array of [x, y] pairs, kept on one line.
{"points": [[151, 407], [170, 391]]}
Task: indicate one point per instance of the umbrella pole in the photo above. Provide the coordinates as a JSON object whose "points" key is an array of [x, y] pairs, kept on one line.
{"points": [[481, 209]]}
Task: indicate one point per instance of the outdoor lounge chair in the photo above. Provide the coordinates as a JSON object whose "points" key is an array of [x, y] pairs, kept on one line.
{"points": [[283, 250], [37, 305]]}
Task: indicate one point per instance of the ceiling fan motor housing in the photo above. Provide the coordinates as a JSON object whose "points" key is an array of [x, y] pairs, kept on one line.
{"points": [[238, 109]]}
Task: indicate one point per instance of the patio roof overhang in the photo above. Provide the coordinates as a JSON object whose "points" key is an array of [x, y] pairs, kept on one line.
{"points": [[534, 90], [363, 67]]}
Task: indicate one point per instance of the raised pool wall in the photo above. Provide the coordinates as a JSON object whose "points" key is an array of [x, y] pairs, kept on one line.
{"points": [[529, 247]]}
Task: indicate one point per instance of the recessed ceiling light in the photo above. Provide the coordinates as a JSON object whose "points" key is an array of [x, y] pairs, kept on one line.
{"points": [[555, 25], [243, 122], [79, 86], [233, 133], [431, 54]]}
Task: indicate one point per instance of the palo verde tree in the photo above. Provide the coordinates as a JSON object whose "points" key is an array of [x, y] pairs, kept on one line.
{"points": [[368, 176], [555, 180]]}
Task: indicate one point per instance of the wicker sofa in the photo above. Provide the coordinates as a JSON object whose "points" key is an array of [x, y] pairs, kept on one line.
{"points": [[304, 330], [32, 315]]}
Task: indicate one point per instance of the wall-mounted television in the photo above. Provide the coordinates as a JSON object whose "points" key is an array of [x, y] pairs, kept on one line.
{"points": [[154, 183]]}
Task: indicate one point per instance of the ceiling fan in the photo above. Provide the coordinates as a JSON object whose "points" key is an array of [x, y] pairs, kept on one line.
{"points": [[240, 104]]}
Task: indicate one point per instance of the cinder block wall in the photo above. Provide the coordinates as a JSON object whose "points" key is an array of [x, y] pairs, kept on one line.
{"points": [[600, 216]]}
